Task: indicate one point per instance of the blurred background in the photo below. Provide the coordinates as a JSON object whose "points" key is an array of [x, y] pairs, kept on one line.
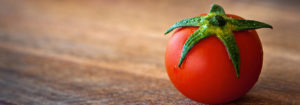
{"points": [[112, 51]]}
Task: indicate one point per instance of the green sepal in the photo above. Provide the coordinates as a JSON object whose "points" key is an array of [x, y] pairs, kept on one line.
{"points": [[216, 22], [194, 21], [240, 24], [198, 35], [228, 40], [215, 8]]}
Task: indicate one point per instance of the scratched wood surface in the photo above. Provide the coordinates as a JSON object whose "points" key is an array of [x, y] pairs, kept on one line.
{"points": [[112, 52]]}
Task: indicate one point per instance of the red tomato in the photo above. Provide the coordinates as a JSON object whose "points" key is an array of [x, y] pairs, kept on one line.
{"points": [[207, 74]]}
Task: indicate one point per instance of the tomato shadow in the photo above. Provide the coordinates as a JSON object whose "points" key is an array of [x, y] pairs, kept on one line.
{"points": [[253, 99]]}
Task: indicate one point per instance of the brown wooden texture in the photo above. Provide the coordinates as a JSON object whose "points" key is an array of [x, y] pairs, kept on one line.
{"points": [[112, 52]]}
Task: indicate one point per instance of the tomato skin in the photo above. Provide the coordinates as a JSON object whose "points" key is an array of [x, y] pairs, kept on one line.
{"points": [[207, 74]]}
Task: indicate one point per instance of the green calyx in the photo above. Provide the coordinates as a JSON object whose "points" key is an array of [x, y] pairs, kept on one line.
{"points": [[217, 23]]}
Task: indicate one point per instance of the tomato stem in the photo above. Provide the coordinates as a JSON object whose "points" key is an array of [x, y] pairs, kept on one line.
{"points": [[217, 23]]}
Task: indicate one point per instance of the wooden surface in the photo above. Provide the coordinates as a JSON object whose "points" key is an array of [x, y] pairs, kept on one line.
{"points": [[112, 52]]}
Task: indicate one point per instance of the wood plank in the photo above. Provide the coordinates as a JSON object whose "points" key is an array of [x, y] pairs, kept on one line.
{"points": [[31, 79], [34, 79]]}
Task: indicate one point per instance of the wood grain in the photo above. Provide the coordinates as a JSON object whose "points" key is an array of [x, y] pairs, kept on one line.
{"points": [[112, 52]]}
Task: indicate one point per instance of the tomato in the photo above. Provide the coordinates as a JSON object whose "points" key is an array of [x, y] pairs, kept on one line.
{"points": [[207, 74]]}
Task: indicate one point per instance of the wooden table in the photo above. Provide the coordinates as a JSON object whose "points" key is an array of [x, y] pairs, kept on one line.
{"points": [[112, 52]]}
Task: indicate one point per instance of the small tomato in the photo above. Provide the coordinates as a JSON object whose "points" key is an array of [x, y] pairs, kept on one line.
{"points": [[214, 58]]}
